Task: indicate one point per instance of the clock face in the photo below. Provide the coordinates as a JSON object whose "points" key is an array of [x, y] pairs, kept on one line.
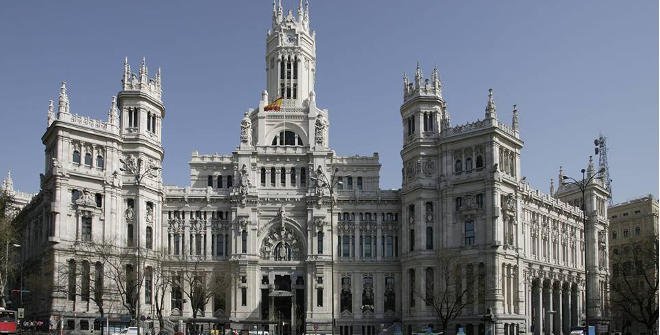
{"points": [[290, 39]]}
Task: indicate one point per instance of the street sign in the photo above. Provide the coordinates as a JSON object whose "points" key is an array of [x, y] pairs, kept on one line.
{"points": [[21, 313]]}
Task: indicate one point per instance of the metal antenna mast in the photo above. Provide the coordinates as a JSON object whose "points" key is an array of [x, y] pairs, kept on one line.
{"points": [[601, 150]]}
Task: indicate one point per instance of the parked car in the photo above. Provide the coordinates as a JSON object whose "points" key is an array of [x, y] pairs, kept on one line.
{"points": [[130, 331]]}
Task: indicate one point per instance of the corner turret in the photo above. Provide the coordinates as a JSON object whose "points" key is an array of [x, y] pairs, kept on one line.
{"points": [[424, 110]]}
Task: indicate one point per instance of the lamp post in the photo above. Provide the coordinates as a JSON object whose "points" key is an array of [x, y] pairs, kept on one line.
{"points": [[323, 182], [130, 167], [6, 293], [582, 184]]}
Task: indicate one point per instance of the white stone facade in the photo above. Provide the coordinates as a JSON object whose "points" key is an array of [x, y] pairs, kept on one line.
{"points": [[293, 223]]}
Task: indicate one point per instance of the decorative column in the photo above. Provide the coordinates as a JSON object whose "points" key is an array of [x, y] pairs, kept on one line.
{"points": [[548, 315], [538, 324]]}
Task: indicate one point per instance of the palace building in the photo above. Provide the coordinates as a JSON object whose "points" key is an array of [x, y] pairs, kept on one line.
{"points": [[286, 235]]}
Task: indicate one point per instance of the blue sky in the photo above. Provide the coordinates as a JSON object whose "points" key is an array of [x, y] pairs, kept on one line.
{"points": [[575, 69]]}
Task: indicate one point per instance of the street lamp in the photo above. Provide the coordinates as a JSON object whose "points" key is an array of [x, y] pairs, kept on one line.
{"points": [[6, 293], [323, 182], [130, 167], [582, 185]]}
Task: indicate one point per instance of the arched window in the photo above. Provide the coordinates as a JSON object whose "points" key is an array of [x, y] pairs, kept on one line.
{"points": [[468, 164], [148, 121], [480, 162], [458, 166], [88, 159], [76, 156], [293, 176], [100, 163], [149, 238], [287, 137], [272, 176], [263, 176]]}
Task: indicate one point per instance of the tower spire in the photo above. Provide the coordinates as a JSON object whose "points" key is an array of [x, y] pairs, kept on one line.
{"points": [[143, 71], [63, 101], [418, 76], [514, 122], [437, 84], [490, 106]]}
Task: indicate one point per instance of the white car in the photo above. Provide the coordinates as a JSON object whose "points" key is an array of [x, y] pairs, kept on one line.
{"points": [[130, 331]]}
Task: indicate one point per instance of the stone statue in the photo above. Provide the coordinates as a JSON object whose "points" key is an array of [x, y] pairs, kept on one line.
{"points": [[246, 129], [321, 130], [243, 184], [320, 184], [130, 214], [149, 216]]}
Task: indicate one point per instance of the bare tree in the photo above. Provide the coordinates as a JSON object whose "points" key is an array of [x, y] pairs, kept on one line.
{"points": [[119, 270], [7, 237], [634, 282], [449, 298], [162, 281], [201, 283]]}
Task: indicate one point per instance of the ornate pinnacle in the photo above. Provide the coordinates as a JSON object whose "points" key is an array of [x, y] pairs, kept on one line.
{"points": [[8, 183], [418, 76], [143, 71], [113, 115], [514, 122], [63, 100], [490, 106]]}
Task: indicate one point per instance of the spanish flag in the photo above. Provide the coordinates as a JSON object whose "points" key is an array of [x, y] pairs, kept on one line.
{"points": [[274, 106]]}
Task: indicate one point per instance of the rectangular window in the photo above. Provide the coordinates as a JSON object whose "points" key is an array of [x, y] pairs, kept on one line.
{"points": [[219, 181], [367, 247], [244, 236], [429, 238], [340, 183], [243, 296], [349, 182], [209, 181], [459, 203], [283, 177], [412, 239], [86, 228], [319, 297], [148, 283], [198, 244], [346, 246], [129, 235], [389, 247], [469, 232], [177, 242], [303, 177], [359, 183], [480, 200]]}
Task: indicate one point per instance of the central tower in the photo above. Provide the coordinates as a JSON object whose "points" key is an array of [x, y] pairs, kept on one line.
{"points": [[290, 55]]}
